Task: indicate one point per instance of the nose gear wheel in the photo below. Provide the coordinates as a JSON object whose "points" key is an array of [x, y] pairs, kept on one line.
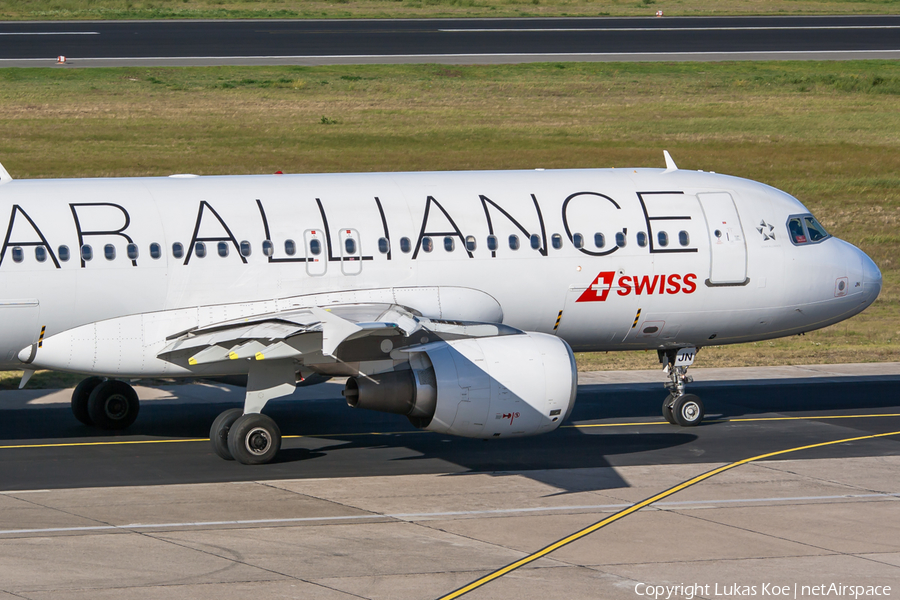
{"points": [[679, 407]]}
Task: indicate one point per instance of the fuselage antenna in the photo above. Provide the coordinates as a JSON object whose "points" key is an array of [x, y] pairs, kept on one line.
{"points": [[670, 164]]}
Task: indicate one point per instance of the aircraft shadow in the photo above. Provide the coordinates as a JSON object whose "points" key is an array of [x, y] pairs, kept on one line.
{"points": [[342, 442]]}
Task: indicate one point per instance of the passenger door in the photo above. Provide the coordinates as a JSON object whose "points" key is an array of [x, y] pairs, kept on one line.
{"points": [[728, 248]]}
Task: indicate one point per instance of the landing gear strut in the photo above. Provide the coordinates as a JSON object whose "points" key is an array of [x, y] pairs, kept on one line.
{"points": [[680, 408], [244, 434], [105, 403]]}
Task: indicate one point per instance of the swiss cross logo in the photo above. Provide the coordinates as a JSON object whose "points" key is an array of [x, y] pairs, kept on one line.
{"points": [[639, 285], [599, 289]]}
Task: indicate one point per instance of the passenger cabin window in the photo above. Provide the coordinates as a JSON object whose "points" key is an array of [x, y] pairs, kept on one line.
{"points": [[470, 243], [449, 244], [109, 251], [222, 249], [384, 246], [290, 248], [556, 241], [132, 251], [155, 251], [663, 238], [641, 239], [492, 242], [177, 250], [40, 253], [350, 246], [63, 253], [200, 250], [620, 240], [268, 248], [578, 240], [18, 254], [684, 238], [87, 253], [599, 240], [405, 245], [427, 244], [315, 247], [535, 241], [246, 248], [513, 242]]}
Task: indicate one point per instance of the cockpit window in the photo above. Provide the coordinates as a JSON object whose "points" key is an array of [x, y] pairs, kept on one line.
{"points": [[796, 228], [805, 229], [816, 231]]}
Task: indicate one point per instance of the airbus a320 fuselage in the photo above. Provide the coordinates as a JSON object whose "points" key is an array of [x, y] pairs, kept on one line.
{"points": [[455, 299]]}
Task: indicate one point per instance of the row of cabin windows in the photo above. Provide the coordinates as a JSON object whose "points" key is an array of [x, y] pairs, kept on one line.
{"points": [[87, 252], [131, 250], [556, 240], [350, 246]]}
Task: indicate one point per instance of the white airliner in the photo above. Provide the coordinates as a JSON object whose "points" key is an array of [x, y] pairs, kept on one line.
{"points": [[455, 299]]}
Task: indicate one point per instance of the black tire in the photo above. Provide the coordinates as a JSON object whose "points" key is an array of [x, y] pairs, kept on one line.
{"points": [[113, 405], [254, 439], [218, 433], [688, 410], [667, 410], [80, 399]]}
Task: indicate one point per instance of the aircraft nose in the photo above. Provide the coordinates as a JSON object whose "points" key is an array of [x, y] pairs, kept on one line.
{"points": [[871, 276]]}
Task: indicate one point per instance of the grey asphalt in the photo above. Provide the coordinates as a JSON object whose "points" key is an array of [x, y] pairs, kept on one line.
{"points": [[393, 514], [459, 41], [621, 408]]}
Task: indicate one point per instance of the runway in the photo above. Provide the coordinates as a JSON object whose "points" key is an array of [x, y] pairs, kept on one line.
{"points": [[366, 507], [457, 41]]}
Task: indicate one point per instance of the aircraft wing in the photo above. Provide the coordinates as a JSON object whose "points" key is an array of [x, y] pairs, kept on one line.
{"points": [[352, 332]]}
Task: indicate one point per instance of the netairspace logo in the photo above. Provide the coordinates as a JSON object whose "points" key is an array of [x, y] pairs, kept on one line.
{"points": [[735, 590]]}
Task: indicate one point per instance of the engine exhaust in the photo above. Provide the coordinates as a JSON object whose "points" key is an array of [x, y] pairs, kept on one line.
{"points": [[409, 392]]}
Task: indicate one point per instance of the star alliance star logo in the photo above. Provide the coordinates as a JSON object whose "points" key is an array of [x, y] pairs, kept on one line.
{"points": [[767, 230]]}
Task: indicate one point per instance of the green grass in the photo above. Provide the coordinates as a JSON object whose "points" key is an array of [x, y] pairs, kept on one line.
{"points": [[827, 132], [315, 9], [9, 380]]}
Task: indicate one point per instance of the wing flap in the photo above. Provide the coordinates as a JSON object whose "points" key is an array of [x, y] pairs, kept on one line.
{"points": [[312, 335]]}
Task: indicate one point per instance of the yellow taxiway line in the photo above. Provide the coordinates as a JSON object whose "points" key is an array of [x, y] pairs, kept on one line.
{"points": [[136, 442], [636, 507], [368, 433], [586, 425]]}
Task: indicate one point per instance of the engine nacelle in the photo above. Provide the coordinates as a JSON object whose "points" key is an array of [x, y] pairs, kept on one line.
{"points": [[504, 386]]}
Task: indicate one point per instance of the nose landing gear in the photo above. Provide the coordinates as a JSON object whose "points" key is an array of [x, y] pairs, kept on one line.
{"points": [[680, 408]]}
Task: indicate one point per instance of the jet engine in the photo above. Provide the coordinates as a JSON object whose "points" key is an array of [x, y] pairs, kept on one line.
{"points": [[504, 386]]}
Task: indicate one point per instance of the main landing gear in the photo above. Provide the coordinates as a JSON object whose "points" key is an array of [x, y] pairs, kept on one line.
{"points": [[251, 439], [244, 434], [105, 403], [680, 408]]}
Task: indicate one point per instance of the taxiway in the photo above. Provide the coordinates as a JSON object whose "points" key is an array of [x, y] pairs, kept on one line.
{"points": [[366, 507]]}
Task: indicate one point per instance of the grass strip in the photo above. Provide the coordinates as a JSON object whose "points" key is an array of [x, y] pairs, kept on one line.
{"points": [[413, 9], [827, 132]]}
